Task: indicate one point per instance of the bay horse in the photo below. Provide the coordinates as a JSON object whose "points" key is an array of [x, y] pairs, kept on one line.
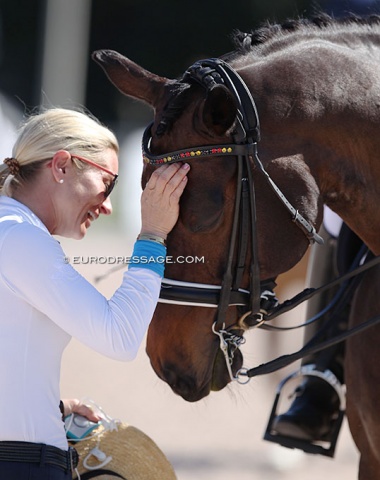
{"points": [[316, 90]]}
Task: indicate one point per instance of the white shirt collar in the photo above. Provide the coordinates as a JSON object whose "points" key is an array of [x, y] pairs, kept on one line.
{"points": [[11, 209]]}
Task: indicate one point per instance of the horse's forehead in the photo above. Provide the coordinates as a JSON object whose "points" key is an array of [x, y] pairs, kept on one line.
{"points": [[177, 115]]}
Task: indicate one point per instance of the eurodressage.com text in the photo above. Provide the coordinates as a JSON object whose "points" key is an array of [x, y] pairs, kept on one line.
{"points": [[111, 260]]}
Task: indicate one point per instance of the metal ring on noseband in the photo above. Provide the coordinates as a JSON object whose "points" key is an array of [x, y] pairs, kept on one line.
{"points": [[259, 318]]}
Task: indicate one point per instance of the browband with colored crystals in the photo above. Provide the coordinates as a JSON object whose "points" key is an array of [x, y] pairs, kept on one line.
{"points": [[187, 153]]}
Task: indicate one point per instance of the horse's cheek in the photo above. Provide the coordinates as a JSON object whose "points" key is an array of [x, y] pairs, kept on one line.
{"points": [[202, 211]]}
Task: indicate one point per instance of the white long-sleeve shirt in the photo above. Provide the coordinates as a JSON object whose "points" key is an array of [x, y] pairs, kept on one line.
{"points": [[44, 302]]}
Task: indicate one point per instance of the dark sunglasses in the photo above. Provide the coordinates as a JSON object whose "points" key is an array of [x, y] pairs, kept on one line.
{"points": [[109, 187]]}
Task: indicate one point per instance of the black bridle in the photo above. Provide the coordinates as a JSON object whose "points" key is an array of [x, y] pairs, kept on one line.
{"points": [[258, 303], [209, 73]]}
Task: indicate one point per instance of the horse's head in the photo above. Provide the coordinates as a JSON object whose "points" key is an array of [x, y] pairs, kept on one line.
{"points": [[183, 349]]}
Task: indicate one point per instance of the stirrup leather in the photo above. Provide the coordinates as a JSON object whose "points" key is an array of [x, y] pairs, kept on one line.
{"points": [[325, 447]]}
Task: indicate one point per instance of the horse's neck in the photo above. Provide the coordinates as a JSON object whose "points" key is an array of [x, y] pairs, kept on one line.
{"points": [[346, 172], [345, 167], [337, 136]]}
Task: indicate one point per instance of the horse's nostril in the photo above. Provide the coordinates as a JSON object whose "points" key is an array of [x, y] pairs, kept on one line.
{"points": [[169, 375], [181, 384], [185, 386]]}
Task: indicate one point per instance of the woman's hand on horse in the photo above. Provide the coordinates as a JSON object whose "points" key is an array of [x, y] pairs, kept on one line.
{"points": [[160, 199], [73, 405]]}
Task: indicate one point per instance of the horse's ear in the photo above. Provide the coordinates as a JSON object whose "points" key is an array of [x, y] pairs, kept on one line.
{"points": [[130, 78], [219, 110]]}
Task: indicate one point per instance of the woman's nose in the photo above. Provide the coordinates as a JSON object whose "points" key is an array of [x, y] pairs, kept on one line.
{"points": [[106, 207]]}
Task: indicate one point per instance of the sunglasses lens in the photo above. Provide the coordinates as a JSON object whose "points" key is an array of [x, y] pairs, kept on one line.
{"points": [[110, 187]]}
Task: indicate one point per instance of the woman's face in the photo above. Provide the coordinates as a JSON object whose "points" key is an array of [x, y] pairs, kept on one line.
{"points": [[85, 196]]}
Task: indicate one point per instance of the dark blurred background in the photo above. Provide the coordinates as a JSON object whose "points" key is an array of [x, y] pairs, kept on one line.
{"points": [[45, 45], [45, 59]]}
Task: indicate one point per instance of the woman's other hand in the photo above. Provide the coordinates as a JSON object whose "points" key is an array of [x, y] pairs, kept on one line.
{"points": [[73, 405]]}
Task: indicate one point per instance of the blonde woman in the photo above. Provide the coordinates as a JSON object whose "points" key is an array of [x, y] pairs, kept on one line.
{"points": [[58, 180]]}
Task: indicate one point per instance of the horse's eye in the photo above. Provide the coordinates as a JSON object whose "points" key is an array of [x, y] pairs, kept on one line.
{"points": [[202, 211]]}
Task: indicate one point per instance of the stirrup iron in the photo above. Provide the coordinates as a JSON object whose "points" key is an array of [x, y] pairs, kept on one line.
{"points": [[321, 447]]}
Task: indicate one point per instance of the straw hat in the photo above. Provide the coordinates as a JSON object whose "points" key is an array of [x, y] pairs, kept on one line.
{"points": [[126, 451]]}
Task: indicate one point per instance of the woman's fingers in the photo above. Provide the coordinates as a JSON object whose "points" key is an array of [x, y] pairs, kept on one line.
{"points": [[73, 405], [162, 176], [87, 412], [160, 199]]}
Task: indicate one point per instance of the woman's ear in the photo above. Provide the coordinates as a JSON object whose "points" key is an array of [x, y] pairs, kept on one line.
{"points": [[59, 164]]}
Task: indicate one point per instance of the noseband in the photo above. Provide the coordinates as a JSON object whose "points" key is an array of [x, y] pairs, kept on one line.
{"points": [[259, 299]]}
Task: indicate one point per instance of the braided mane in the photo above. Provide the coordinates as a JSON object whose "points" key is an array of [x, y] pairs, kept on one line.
{"points": [[246, 42], [269, 37]]}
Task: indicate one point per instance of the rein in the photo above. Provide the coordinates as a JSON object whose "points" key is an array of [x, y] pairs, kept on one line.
{"points": [[349, 281]]}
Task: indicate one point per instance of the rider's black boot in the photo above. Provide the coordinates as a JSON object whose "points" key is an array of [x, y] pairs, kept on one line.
{"points": [[312, 414], [315, 414]]}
